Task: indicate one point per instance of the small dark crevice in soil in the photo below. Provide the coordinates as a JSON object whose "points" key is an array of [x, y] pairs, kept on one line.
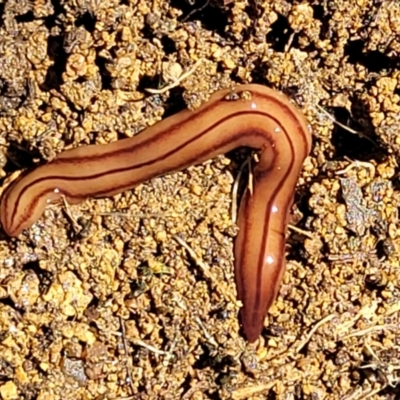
{"points": [[374, 61], [213, 16], [280, 34], [56, 52], [363, 146]]}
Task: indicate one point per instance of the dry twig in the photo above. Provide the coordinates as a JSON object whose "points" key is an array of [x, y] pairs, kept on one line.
{"points": [[312, 331], [205, 268], [348, 129], [235, 189], [177, 82], [128, 364]]}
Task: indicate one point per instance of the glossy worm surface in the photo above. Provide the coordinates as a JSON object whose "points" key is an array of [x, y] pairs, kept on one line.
{"points": [[251, 116]]}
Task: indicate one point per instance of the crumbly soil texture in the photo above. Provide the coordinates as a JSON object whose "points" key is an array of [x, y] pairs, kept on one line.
{"points": [[133, 296]]}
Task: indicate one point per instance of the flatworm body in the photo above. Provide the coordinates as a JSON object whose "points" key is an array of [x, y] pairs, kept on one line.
{"points": [[260, 118]]}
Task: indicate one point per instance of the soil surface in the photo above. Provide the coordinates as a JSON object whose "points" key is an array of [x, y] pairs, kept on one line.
{"points": [[133, 296]]}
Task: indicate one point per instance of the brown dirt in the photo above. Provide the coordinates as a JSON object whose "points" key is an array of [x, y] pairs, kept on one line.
{"points": [[101, 301]]}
